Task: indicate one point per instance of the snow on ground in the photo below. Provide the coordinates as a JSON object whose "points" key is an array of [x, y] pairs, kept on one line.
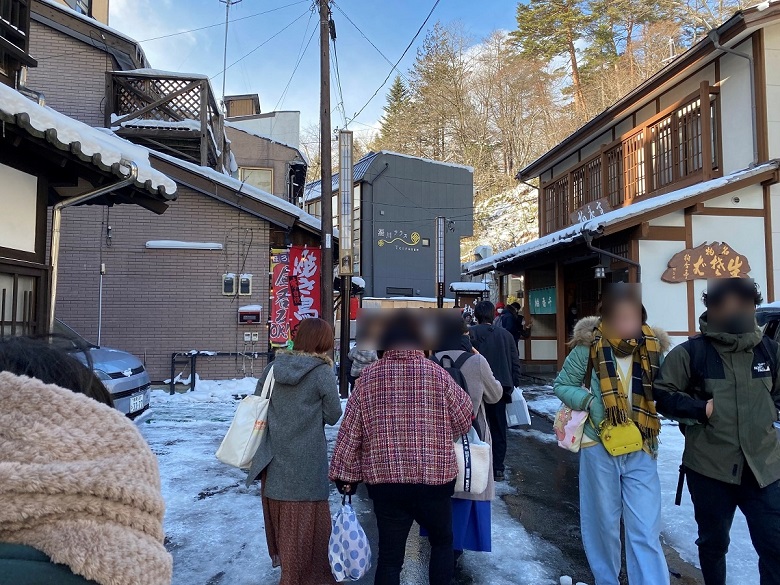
{"points": [[679, 525], [214, 525]]}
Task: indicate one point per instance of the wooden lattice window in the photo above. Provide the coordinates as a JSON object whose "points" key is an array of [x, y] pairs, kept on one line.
{"points": [[614, 171], [634, 166]]}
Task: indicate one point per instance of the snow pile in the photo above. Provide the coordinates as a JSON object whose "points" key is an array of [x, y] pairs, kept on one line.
{"points": [[544, 406], [220, 391], [144, 123]]}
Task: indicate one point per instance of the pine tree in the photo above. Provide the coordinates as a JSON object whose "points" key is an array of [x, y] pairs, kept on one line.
{"points": [[393, 133]]}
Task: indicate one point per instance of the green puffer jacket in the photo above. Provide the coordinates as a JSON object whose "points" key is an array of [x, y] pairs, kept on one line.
{"points": [[23, 565], [569, 383], [745, 401]]}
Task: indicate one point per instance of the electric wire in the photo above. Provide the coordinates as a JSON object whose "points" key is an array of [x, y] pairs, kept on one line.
{"points": [[406, 50], [335, 58], [301, 53]]}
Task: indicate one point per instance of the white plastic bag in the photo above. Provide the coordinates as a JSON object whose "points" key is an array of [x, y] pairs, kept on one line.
{"points": [[248, 428], [517, 414], [348, 550], [473, 457]]}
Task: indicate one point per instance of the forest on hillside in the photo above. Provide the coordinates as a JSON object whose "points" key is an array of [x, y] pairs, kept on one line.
{"points": [[498, 103]]}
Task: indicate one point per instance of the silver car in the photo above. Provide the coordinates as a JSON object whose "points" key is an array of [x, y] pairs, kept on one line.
{"points": [[123, 374]]}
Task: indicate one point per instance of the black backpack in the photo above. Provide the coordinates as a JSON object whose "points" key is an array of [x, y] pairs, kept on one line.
{"points": [[453, 367]]}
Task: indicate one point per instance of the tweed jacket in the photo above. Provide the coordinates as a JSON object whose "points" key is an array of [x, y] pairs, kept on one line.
{"points": [[294, 450], [400, 422]]}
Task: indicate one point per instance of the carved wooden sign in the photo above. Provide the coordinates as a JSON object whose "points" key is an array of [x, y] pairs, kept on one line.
{"points": [[715, 260], [591, 210]]}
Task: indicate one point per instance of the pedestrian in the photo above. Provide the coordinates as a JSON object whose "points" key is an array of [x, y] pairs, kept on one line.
{"points": [[471, 524], [292, 461], [500, 350], [617, 356], [571, 319], [397, 437], [361, 358], [79, 486], [726, 380], [513, 320]]}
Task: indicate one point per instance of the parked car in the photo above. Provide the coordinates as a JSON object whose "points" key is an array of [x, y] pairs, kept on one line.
{"points": [[768, 317], [123, 374]]}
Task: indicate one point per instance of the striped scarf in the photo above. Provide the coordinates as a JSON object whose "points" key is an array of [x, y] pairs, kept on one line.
{"points": [[646, 353]]}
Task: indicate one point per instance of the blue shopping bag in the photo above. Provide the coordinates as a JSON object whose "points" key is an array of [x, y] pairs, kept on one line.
{"points": [[348, 550]]}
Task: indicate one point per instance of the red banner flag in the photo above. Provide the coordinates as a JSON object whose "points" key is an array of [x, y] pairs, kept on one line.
{"points": [[304, 285], [280, 300]]}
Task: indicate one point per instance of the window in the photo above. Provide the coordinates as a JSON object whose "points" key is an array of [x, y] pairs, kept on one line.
{"points": [[14, 31], [81, 6], [257, 177]]}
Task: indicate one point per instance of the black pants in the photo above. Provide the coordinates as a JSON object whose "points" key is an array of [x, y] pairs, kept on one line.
{"points": [[394, 518], [496, 416], [715, 503]]}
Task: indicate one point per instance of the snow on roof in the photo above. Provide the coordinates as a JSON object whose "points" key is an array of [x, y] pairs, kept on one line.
{"points": [[575, 231], [229, 124], [359, 281], [428, 160], [102, 149], [141, 123], [148, 72], [469, 287], [90, 20], [245, 189]]}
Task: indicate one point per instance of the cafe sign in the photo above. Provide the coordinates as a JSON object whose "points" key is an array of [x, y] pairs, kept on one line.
{"points": [[591, 210], [715, 260]]}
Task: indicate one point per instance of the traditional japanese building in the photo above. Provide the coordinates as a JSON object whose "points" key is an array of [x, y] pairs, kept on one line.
{"points": [[673, 184]]}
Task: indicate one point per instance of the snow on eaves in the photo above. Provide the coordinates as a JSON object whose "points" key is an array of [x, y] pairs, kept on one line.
{"points": [[142, 123], [149, 72], [575, 231], [245, 189], [469, 287], [428, 160], [94, 145], [89, 20]]}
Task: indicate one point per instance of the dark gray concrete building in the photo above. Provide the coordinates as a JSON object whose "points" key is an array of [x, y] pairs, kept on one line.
{"points": [[397, 200]]}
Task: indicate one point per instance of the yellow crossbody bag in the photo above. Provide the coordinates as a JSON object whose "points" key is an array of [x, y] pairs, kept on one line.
{"points": [[624, 438]]}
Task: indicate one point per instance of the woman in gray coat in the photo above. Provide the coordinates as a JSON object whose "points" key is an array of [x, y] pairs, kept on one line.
{"points": [[292, 461]]}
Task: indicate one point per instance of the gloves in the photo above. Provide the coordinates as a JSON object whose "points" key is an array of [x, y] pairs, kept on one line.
{"points": [[346, 489]]}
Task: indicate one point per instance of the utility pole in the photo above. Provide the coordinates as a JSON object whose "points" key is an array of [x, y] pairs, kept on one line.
{"points": [[228, 4], [326, 176]]}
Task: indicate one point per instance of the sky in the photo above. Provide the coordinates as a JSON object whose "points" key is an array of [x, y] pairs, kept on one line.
{"points": [[267, 71]]}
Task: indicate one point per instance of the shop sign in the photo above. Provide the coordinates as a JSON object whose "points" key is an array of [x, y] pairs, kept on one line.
{"points": [[279, 327], [401, 240], [305, 273], [542, 301], [591, 210], [715, 260]]}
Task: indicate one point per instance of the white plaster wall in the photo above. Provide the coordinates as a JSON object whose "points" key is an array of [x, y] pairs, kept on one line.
{"points": [[666, 303], [772, 58], [749, 198], [744, 234], [774, 191], [284, 127], [736, 125], [544, 349], [18, 201], [688, 87], [521, 348], [674, 219]]}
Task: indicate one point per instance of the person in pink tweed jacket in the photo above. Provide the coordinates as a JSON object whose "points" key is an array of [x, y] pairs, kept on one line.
{"points": [[397, 437]]}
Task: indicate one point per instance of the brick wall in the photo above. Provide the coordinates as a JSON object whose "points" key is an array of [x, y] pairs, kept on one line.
{"points": [[71, 74], [156, 302]]}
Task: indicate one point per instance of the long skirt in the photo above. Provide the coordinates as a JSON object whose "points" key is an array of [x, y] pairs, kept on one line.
{"points": [[297, 535], [470, 525]]}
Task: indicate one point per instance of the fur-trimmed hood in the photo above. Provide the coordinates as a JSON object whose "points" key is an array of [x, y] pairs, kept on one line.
{"points": [[584, 334], [290, 367], [79, 483]]}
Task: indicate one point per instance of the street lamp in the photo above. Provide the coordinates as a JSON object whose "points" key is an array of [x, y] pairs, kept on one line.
{"points": [[440, 234]]}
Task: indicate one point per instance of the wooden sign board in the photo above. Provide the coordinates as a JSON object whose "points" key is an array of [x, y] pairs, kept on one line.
{"points": [[715, 260], [591, 210]]}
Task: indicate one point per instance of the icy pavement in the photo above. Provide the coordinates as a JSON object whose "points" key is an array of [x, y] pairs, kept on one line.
{"points": [[679, 526], [214, 525]]}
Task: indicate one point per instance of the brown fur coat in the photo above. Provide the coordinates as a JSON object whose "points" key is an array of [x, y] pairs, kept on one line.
{"points": [[79, 483], [584, 334]]}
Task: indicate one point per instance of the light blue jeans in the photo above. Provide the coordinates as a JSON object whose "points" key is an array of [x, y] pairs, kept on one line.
{"points": [[613, 487]]}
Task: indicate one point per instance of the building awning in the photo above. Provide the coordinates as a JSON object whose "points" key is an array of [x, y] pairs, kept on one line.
{"points": [[469, 287], [632, 215], [92, 145]]}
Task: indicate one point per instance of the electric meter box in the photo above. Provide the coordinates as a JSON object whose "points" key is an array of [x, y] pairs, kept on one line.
{"points": [[250, 314]]}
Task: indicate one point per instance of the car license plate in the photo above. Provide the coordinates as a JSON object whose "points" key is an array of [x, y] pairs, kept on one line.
{"points": [[136, 402]]}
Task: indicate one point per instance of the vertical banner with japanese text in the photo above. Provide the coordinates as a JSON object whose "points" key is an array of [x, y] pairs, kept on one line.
{"points": [[279, 332], [304, 282]]}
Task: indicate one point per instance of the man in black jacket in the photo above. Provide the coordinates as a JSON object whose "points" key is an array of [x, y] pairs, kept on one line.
{"points": [[500, 350], [512, 320]]}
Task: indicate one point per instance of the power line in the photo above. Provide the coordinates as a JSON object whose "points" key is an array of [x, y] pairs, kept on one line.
{"points": [[406, 50], [265, 42], [338, 84], [301, 52], [184, 32], [369, 41]]}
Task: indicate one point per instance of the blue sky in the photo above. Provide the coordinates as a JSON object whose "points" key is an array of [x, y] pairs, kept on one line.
{"points": [[390, 24]]}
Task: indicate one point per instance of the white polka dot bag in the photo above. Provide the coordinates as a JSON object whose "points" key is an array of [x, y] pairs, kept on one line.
{"points": [[348, 550]]}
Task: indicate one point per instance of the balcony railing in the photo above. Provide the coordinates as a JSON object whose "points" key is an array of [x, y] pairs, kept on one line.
{"points": [[667, 152], [173, 113]]}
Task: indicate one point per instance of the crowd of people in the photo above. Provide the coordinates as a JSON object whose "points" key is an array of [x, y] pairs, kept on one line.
{"points": [[80, 489]]}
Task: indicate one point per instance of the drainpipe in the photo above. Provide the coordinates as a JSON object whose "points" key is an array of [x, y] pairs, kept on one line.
{"points": [[56, 223], [590, 234], [715, 38]]}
